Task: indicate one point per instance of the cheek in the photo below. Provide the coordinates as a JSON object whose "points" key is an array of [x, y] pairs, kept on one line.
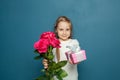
{"points": [[59, 33], [68, 32]]}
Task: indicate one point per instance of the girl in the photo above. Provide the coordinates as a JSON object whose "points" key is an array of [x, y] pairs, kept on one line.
{"points": [[63, 30]]}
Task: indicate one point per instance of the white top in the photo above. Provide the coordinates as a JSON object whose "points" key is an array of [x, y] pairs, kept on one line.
{"points": [[71, 69]]}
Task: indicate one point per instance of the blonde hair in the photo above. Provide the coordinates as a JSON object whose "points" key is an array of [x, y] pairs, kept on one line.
{"points": [[58, 54]]}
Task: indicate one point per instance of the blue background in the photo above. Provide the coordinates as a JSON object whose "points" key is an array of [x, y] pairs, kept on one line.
{"points": [[96, 26]]}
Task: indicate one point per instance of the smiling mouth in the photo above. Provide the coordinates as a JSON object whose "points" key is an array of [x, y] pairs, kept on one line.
{"points": [[64, 36]]}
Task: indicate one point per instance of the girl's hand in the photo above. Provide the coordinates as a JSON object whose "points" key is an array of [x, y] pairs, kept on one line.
{"points": [[70, 62], [45, 63]]}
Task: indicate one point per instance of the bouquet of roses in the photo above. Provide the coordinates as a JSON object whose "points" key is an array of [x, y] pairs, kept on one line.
{"points": [[43, 47]]}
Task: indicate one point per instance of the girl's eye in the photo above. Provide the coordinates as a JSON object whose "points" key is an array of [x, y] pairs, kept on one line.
{"points": [[67, 29], [61, 29]]}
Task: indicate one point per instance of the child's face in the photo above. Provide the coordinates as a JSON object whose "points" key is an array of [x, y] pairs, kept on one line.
{"points": [[63, 30]]}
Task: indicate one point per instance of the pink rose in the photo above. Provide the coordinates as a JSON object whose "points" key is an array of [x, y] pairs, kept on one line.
{"points": [[55, 42], [51, 38], [46, 39], [47, 35], [36, 45], [41, 45]]}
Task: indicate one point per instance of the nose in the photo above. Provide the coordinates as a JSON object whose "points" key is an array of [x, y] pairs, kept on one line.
{"points": [[64, 32]]}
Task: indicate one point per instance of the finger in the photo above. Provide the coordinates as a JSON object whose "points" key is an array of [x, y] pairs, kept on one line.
{"points": [[45, 60], [45, 66], [45, 63]]}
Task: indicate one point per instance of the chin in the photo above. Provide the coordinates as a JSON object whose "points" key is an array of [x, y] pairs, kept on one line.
{"points": [[65, 39]]}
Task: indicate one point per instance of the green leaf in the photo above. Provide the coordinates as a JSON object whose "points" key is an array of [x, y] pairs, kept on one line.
{"points": [[63, 73], [52, 67], [57, 70], [62, 63], [50, 49], [52, 78], [59, 77], [37, 57], [52, 64], [50, 57], [35, 51]]}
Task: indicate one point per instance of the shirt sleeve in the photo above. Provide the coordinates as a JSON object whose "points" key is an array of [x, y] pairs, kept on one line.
{"points": [[76, 44]]}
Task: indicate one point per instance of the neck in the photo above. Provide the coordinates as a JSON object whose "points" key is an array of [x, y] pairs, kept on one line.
{"points": [[62, 40]]}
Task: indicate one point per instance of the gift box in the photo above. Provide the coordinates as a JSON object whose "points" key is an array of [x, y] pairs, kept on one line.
{"points": [[68, 54], [76, 57]]}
